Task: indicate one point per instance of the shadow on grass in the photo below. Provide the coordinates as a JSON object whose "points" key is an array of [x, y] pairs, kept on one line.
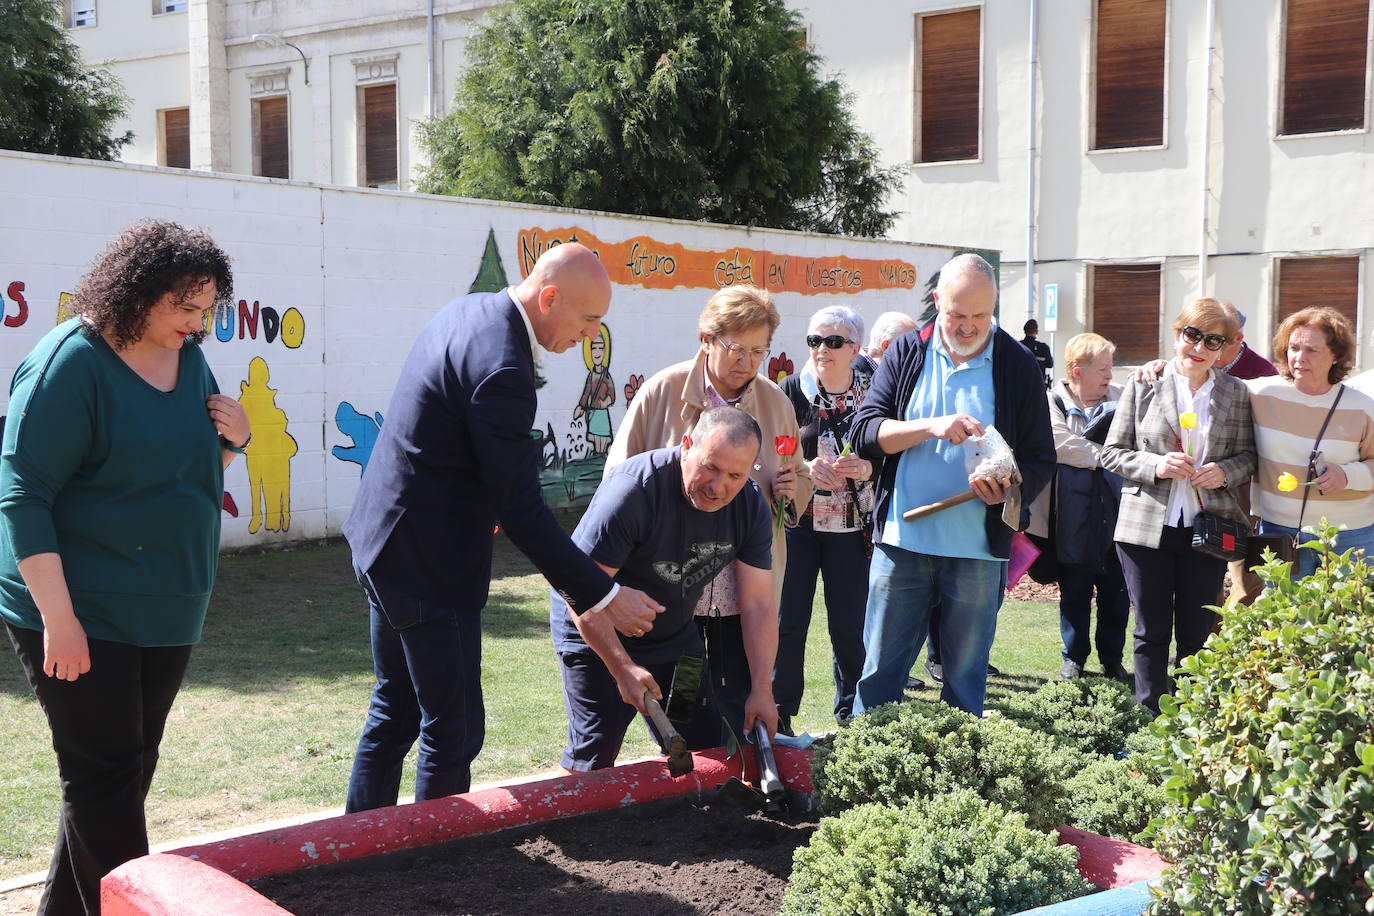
{"points": [[289, 615]]}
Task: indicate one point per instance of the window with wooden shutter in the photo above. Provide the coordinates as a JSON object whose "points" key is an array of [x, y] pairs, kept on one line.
{"points": [[1324, 61], [379, 136], [948, 73], [1128, 74], [176, 137], [272, 151], [1304, 282], [1125, 309]]}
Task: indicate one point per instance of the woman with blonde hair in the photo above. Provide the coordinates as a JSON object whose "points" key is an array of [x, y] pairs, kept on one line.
{"points": [[1082, 506], [1182, 445], [735, 333], [1315, 437]]}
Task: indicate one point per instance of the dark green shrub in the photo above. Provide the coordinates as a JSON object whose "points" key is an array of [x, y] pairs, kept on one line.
{"points": [[1092, 714], [1145, 746], [1114, 798], [951, 854], [1269, 754], [903, 751]]}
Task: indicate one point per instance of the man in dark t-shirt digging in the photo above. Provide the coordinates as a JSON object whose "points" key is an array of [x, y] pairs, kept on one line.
{"points": [[666, 521]]}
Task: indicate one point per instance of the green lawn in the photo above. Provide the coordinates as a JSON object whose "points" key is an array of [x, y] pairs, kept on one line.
{"points": [[266, 724]]}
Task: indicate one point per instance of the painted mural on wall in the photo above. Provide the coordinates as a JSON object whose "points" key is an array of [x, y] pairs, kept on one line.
{"points": [[269, 453], [647, 262], [375, 265], [361, 429], [598, 393]]}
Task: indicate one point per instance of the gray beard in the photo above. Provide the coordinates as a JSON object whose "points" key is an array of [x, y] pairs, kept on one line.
{"points": [[972, 349]]}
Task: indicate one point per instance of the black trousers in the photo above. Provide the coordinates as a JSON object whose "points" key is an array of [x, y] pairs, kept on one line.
{"points": [[842, 562], [1076, 585], [1169, 587], [106, 727]]}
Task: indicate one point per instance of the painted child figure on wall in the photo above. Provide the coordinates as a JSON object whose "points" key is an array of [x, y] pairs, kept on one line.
{"points": [[269, 453], [598, 394]]}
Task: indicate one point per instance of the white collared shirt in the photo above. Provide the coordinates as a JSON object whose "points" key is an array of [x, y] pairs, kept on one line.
{"points": [[1183, 498], [535, 347]]}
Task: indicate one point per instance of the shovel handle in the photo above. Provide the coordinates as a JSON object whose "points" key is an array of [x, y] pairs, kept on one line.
{"points": [[948, 502], [665, 728]]}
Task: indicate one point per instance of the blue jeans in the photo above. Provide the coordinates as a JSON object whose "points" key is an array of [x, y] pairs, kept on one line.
{"points": [[1306, 565], [902, 587], [428, 663]]}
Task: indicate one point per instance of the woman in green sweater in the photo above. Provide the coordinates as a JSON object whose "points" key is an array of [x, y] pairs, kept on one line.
{"points": [[111, 481]]}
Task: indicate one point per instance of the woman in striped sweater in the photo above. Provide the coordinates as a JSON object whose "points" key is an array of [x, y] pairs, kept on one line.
{"points": [[1300, 480]]}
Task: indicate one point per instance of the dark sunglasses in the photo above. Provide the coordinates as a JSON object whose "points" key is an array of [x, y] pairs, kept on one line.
{"points": [[834, 341], [1210, 341]]}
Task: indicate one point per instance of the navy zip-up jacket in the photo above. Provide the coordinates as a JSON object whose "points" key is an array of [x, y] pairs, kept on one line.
{"points": [[1022, 416]]}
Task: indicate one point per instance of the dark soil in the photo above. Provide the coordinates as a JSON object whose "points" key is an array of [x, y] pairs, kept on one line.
{"points": [[672, 857]]}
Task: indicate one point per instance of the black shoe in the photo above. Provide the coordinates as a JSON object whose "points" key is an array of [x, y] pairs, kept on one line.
{"points": [[1117, 672], [914, 683], [936, 671], [992, 669], [1070, 670]]}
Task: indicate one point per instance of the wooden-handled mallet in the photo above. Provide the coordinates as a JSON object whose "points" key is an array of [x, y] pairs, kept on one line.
{"points": [[680, 761], [931, 508]]}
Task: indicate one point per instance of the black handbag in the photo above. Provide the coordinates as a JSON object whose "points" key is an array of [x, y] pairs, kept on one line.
{"points": [[1220, 537]]}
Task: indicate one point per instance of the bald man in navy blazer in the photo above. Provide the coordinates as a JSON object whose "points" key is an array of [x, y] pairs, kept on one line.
{"points": [[453, 458]]}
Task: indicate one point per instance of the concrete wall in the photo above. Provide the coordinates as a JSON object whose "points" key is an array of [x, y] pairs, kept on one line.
{"points": [[332, 285]]}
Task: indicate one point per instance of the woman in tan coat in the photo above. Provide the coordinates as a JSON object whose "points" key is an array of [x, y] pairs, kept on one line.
{"points": [[736, 330]]}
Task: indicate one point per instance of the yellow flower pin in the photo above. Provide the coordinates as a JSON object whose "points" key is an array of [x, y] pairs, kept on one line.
{"points": [[1187, 420], [1287, 483]]}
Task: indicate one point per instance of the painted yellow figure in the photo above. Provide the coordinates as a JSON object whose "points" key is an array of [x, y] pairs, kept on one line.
{"points": [[269, 453]]}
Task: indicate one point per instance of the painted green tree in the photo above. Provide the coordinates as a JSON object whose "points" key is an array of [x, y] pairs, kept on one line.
{"points": [[491, 276], [49, 101], [696, 109]]}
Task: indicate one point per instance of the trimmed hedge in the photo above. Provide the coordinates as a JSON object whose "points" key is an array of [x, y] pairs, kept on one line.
{"points": [[898, 752], [951, 854], [1115, 798], [1093, 715]]}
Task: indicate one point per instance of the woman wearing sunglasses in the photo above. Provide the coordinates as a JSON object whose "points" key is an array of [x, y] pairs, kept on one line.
{"points": [[830, 538], [1315, 437], [1182, 446], [735, 333]]}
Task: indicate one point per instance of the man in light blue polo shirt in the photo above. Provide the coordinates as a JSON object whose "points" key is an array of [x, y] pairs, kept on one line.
{"points": [[937, 387]]}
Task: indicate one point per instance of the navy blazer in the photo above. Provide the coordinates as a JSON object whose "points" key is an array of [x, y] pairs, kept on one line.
{"points": [[1021, 414], [453, 457]]}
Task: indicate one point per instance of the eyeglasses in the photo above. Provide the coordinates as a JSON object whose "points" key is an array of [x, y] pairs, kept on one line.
{"points": [[834, 341], [735, 351], [1210, 341]]}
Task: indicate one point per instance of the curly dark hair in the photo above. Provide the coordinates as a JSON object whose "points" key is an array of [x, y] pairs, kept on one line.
{"points": [[145, 262]]}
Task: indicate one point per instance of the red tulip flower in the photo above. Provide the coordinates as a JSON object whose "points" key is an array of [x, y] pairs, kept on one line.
{"points": [[786, 446]]}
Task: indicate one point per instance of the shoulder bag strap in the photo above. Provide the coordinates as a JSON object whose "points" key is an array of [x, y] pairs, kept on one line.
{"points": [[1312, 456]]}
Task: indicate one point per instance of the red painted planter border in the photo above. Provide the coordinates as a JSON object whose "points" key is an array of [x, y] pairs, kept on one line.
{"points": [[207, 880]]}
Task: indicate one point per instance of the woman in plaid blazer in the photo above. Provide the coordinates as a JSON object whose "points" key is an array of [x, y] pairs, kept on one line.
{"points": [[1182, 445]]}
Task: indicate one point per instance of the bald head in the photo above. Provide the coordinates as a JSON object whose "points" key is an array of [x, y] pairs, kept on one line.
{"points": [[566, 295]]}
